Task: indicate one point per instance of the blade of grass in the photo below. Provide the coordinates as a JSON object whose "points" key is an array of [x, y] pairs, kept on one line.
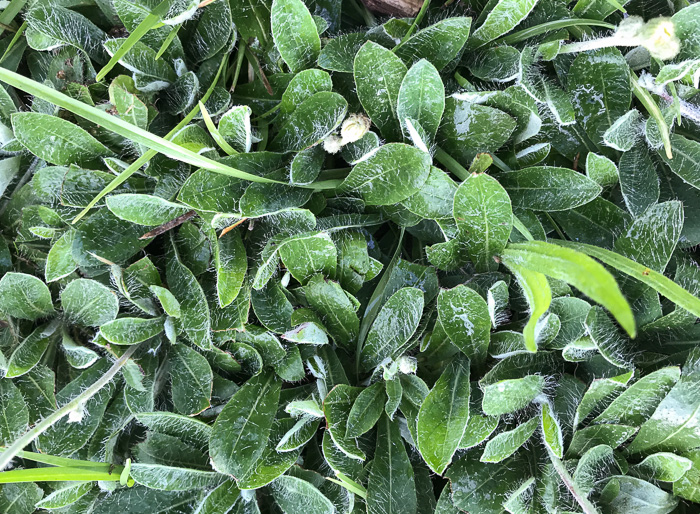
{"points": [[168, 40], [147, 24], [123, 128], [653, 109], [522, 35], [28, 437], [63, 462], [9, 13], [15, 38], [214, 132], [57, 475], [146, 157], [659, 282]]}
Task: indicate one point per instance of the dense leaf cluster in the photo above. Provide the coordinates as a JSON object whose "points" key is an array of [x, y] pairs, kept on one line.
{"points": [[282, 256]]}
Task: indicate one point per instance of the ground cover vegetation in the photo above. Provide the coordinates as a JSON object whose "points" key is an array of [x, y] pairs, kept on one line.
{"points": [[302, 257]]}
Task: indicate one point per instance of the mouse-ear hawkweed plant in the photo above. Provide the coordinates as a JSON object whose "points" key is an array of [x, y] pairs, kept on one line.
{"points": [[294, 256]]}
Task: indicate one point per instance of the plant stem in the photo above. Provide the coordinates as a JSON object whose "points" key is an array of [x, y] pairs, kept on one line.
{"points": [[593, 44], [53, 418], [239, 64], [583, 501], [451, 164], [414, 25]]}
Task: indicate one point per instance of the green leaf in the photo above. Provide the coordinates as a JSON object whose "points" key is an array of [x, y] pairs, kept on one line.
{"points": [[252, 19], [503, 18], [660, 283], [484, 216], [366, 410], [650, 241], [392, 174], [304, 85], [195, 315], [391, 487], [304, 257], [20, 498], [334, 307], [311, 122], [128, 331], [686, 153], [439, 43], [599, 82], [144, 209], [337, 407], [507, 396], [672, 427], [539, 298], [688, 486], [339, 53], [576, 269], [168, 478], [663, 466], [637, 403], [611, 435], [290, 492], [378, 76], [191, 378], [551, 431], [623, 493], [478, 487], [639, 182], [220, 499], [469, 129], [65, 496], [549, 189], [24, 296], [87, 302], [235, 128], [465, 318], [241, 431], [294, 33], [231, 266], [396, 322], [443, 416], [421, 98], [59, 261], [15, 414], [507, 443]]}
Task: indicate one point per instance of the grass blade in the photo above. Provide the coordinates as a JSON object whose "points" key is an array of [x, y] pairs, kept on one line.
{"points": [[665, 286]]}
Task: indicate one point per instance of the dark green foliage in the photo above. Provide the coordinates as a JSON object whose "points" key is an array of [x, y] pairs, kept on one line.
{"points": [[288, 257]]}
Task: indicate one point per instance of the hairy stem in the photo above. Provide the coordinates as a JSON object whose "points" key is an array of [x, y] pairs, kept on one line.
{"points": [[57, 415]]}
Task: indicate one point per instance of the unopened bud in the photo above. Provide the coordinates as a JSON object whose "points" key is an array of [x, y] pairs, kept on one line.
{"points": [[353, 128], [332, 144], [408, 365], [659, 38]]}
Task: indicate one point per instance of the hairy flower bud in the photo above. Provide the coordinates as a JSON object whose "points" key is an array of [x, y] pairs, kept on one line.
{"points": [[332, 144], [659, 38], [354, 127]]}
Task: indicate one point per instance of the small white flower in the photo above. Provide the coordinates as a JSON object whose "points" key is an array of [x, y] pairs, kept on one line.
{"points": [[659, 38], [332, 144], [354, 127]]}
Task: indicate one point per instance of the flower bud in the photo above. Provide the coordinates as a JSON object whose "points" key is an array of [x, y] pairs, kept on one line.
{"points": [[408, 365], [659, 38], [354, 127], [332, 144]]}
